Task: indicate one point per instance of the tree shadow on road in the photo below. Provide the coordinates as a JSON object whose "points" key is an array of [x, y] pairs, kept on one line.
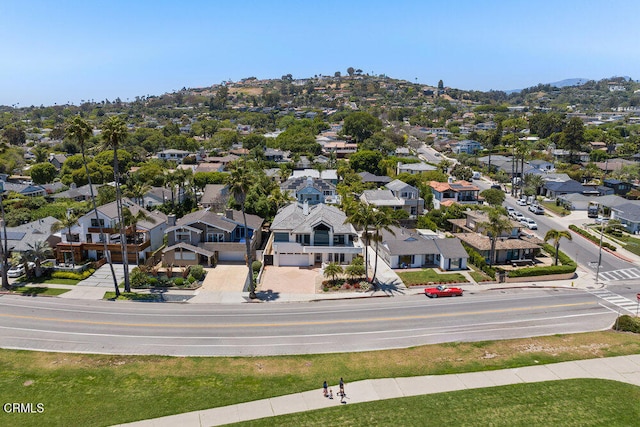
{"points": [[268, 295]]}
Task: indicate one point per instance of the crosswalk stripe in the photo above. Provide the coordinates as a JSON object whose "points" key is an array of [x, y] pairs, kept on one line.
{"points": [[622, 274]]}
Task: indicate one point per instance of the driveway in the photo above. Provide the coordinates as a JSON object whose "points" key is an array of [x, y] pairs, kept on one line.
{"points": [[225, 278], [291, 280]]}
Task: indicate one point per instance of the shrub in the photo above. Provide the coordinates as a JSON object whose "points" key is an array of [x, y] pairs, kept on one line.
{"points": [[591, 237], [542, 271], [71, 275], [152, 281], [138, 279], [197, 271], [627, 323], [562, 257], [191, 279], [256, 266], [178, 281]]}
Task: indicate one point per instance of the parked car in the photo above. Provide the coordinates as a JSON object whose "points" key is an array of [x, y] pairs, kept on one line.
{"points": [[443, 291], [531, 224], [16, 271], [518, 216], [536, 209], [496, 187], [521, 202], [510, 210]]}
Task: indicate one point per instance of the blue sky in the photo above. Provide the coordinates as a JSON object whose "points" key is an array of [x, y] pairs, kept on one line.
{"points": [[68, 51]]}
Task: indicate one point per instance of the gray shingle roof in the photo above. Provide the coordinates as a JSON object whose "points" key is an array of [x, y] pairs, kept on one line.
{"points": [[291, 218]]}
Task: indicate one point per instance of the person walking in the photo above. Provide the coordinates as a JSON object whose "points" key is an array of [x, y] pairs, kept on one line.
{"points": [[324, 389], [341, 387]]}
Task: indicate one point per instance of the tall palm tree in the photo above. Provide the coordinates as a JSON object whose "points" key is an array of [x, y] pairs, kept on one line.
{"points": [[137, 192], [114, 133], [3, 245], [38, 252], [80, 131], [556, 235], [131, 220], [496, 225], [68, 222], [382, 220], [360, 215], [240, 181]]}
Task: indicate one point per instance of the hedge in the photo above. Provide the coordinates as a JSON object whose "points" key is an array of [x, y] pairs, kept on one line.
{"points": [[542, 271], [591, 237], [71, 275], [562, 257], [478, 260], [628, 324]]}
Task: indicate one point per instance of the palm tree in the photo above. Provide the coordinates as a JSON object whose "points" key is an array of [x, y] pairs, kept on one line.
{"points": [[137, 192], [360, 215], [132, 220], [495, 226], [79, 130], [333, 269], [38, 252], [355, 269], [3, 245], [67, 223], [382, 220], [240, 181], [556, 235], [114, 133]]}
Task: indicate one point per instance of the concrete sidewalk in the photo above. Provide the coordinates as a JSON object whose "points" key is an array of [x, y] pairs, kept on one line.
{"points": [[623, 368]]}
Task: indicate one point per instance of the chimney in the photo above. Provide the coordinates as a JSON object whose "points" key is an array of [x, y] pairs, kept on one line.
{"points": [[171, 219], [305, 208], [228, 213]]}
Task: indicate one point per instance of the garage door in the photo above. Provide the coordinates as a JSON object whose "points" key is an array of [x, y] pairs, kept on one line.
{"points": [[294, 260], [231, 256]]}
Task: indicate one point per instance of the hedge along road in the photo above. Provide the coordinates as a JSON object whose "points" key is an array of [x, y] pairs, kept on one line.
{"points": [[52, 324]]}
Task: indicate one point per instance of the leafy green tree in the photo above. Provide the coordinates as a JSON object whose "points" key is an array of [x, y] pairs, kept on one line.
{"points": [[41, 153], [131, 221], [496, 225], [332, 270], [493, 196], [114, 133], [360, 215], [366, 161], [43, 173], [355, 270], [556, 235], [361, 125], [462, 172], [573, 137], [239, 182], [38, 252]]}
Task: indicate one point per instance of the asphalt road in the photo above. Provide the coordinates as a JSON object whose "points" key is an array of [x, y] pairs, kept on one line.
{"points": [[51, 324]]}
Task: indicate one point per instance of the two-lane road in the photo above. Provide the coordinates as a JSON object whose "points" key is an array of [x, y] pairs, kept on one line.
{"points": [[51, 324]]}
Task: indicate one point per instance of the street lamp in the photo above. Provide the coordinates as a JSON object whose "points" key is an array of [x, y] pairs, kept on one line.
{"points": [[600, 250]]}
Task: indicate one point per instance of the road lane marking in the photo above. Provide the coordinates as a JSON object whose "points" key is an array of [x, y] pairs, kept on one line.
{"points": [[283, 324]]}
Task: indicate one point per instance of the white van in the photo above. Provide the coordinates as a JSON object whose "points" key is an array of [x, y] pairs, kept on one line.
{"points": [[476, 175], [531, 199]]}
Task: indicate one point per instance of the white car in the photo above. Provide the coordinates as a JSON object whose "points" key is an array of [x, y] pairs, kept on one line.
{"points": [[510, 210], [16, 271], [518, 216], [521, 202], [531, 224]]}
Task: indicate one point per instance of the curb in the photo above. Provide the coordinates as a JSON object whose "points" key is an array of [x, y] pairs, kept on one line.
{"points": [[614, 253]]}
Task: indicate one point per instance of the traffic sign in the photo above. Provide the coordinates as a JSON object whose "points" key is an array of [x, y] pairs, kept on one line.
{"points": [[638, 296]]}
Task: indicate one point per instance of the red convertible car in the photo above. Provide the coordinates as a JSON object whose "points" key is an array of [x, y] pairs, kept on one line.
{"points": [[443, 291]]}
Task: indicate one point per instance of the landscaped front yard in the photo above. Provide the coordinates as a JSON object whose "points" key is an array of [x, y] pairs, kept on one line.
{"points": [[429, 275]]}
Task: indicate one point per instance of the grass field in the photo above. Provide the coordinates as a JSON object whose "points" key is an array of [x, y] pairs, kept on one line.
{"points": [[39, 290], [97, 390], [581, 402], [427, 275]]}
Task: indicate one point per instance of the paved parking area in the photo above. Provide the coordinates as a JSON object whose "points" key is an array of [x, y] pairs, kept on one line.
{"points": [[225, 277], [291, 280]]}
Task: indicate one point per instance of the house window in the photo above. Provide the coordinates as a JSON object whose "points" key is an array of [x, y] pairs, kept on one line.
{"points": [[281, 237], [88, 238], [215, 237], [188, 256], [72, 237], [303, 239], [183, 236], [338, 239], [94, 222]]}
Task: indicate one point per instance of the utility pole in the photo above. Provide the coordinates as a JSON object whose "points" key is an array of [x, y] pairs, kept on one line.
{"points": [[3, 247]]}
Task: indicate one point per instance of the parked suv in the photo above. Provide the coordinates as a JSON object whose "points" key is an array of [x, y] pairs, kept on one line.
{"points": [[536, 209]]}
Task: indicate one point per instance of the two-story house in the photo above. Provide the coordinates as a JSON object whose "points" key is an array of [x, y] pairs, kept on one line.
{"points": [[447, 193], [512, 246], [311, 190], [206, 238], [414, 168], [305, 235], [173, 155], [410, 196], [86, 241], [467, 146]]}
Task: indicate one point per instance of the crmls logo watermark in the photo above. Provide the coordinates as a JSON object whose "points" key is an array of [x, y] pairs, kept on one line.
{"points": [[23, 408]]}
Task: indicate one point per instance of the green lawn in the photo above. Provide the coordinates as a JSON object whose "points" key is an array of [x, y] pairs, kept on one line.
{"points": [[480, 277], [559, 210], [47, 280], [427, 275], [133, 296], [40, 290], [580, 402]]}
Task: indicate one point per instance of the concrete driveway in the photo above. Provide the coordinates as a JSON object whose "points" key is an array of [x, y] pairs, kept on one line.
{"points": [[225, 277], [291, 280]]}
